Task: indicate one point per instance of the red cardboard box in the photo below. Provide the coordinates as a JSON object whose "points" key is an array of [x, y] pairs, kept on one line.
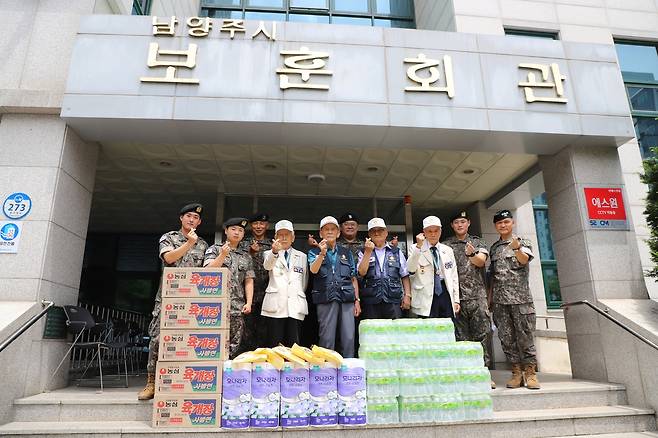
{"points": [[193, 314], [186, 411], [179, 378], [195, 283], [193, 345]]}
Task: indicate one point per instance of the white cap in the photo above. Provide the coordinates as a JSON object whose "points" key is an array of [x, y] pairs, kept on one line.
{"points": [[283, 225], [328, 220], [376, 222], [431, 221]]}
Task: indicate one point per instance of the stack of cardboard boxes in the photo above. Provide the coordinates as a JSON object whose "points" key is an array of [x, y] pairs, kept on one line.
{"points": [[194, 340]]}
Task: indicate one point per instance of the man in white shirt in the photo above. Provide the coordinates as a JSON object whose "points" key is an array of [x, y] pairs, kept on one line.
{"points": [[284, 305], [433, 270]]}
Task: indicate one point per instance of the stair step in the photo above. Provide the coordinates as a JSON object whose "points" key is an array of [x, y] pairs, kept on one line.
{"points": [[520, 423], [619, 435], [115, 404]]}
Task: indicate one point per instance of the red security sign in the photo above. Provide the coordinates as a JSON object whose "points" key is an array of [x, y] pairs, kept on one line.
{"points": [[605, 208]]}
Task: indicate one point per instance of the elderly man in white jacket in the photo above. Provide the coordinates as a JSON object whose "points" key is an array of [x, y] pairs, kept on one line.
{"points": [[285, 305], [433, 273]]}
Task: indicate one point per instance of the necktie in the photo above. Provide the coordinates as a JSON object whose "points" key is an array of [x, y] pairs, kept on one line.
{"points": [[287, 255], [435, 256]]}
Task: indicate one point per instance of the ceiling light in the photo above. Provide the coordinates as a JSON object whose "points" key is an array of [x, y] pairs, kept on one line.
{"points": [[372, 169], [316, 178], [468, 171], [269, 166], [166, 163]]}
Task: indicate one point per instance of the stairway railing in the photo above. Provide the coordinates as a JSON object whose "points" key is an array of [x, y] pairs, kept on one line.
{"points": [[46, 305], [605, 313]]}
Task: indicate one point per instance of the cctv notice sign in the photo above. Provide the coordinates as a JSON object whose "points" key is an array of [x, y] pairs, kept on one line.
{"points": [[605, 208]]}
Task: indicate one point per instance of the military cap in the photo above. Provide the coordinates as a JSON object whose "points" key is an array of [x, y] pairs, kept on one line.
{"points": [[461, 215], [192, 208], [348, 217], [259, 217], [239, 221], [502, 214]]}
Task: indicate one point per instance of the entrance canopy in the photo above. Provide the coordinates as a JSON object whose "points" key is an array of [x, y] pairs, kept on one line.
{"points": [[185, 81]]}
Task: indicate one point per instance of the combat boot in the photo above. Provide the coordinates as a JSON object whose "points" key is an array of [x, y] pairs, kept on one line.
{"points": [[531, 381], [517, 377], [149, 390]]}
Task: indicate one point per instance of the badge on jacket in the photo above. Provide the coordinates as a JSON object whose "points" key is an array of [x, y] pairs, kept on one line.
{"points": [[448, 265], [298, 269]]}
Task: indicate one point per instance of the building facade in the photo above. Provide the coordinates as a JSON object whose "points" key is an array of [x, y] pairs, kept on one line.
{"points": [[111, 121]]}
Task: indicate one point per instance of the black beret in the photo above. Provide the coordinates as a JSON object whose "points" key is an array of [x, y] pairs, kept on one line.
{"points": [[461, 215], [239, 221], [259, 217], [192, 208], [348, 217], [502, 214]]}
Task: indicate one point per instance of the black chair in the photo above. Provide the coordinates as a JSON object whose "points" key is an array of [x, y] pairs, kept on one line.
{"points": [[79, 323]]}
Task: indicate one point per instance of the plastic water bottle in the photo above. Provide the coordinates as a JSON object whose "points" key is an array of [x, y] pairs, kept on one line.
{"points": [[365, 332], [470, 380], [446, 330], [483, 380], [383, 410], [477, 406], [472, 354], [456, 354], [447, 380], [441, 411], [416, 409], [382, 383], [448, 407]]}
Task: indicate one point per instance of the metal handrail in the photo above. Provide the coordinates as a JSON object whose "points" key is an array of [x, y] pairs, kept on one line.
{"points": [[611, 318], [47, 305]]}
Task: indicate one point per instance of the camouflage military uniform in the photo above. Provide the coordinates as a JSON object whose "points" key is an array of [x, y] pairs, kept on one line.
{"points": [[256, 333], [241, 267], [513, 308], [191, 259], [354, 246], [473, 322]]}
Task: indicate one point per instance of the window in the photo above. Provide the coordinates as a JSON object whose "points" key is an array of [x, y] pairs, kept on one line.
{"points": [[638, 62], [141, 7], [546, 253], [532, 33], [646, 131], [380, 13]]}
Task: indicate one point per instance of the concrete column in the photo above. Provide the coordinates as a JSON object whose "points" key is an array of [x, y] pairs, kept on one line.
{"points": [[592, 264], [44, 158]]}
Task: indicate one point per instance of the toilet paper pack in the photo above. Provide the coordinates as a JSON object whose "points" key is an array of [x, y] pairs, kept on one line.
{"points": [[295, 396], [265, 395], [236, 395], [323, 387], [352, 407]]}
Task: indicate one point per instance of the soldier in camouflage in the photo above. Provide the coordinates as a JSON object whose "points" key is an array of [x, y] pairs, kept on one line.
{"points": [[473, 322], [256, 245], [513, 307], [241, 281], [182, 248]]}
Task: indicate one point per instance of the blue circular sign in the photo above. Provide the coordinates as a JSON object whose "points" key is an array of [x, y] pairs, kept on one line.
{"points": [[17, 206], [9, 232]]}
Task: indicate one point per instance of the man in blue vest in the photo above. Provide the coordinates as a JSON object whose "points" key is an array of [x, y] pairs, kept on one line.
{"points": [[385, 289], [335, 290]]}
